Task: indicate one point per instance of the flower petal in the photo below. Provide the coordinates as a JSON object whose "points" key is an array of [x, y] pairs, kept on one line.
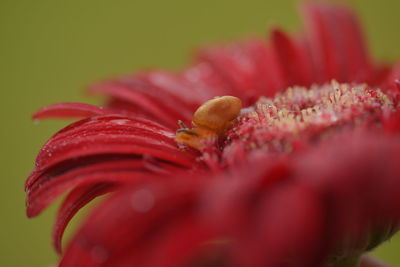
{"points": [[358, 176], [248, 68], [293, 59], [150, 106], [75, 200], [53, 182], [111, 134], [142, 214], [69, 110], [337, 44], [289, 224], [153, 92], [103, 148]]}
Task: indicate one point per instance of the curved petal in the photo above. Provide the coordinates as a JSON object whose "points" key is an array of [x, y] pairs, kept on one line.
{"points": [[75, 200], [111, 134], [325, 199], [153, 92], [296, 210], [292, 58], [151, 106], [143, 215], [338, 48], [103, 148], [289, 224], [249, 68], [69, 110], [52, 183], [359, 177]]}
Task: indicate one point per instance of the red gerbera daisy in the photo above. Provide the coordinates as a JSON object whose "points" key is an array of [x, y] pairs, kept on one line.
{"points": [[295, 166]]}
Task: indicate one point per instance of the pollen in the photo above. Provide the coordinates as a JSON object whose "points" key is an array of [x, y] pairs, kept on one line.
{"points": [[300, 113]]}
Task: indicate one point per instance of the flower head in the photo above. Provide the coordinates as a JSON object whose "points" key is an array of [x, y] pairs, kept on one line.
{"points": [[305, 173]]}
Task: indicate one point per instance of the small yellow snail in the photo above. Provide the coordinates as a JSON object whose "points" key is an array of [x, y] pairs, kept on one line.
{"points": [[210, 120]]}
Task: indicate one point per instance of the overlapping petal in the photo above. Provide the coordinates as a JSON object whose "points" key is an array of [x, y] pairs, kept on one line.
{"points": [[69, 110], [333, 47], [153, 212], [322, 202], [301, 215], [105, 149], [76, 199]]}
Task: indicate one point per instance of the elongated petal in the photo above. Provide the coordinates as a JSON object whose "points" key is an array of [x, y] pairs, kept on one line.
{"points": [[153, 92], [294, 211], [111, 142], [155, 107], [337, 44], [289, 224], [108, 135], [75, 200], [298, 181], [69, 110], [360, 185], [104, 148], [53, 183], [248, 68], [292, 58], [146, 215], [186, 241]]}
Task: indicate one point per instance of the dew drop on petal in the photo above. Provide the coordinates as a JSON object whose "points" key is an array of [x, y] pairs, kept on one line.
{"points": [[120, 122], [142, 200]]}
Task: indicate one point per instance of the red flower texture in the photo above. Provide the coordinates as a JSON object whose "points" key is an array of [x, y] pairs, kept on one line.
{"points": [[306, 173]]}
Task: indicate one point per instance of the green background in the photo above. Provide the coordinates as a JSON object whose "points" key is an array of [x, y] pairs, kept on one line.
{"points": [[50, 50]]}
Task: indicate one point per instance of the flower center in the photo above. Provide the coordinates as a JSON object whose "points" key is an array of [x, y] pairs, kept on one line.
{"points": [[305, 115]]}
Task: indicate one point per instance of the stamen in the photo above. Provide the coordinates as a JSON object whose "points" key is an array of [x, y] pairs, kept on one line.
{"points": [[275, 123]]}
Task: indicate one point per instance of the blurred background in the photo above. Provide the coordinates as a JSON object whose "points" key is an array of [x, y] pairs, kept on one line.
{"points": [[50, 50]]}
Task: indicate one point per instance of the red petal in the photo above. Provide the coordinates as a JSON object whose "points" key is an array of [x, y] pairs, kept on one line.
{"points": [[289, 225], [180, 244], [111, 135], [203, 82], [359, 176], [292, 59], [144, 104], [248, 68], [153, 92], [337, 44], [142, 216], [75, 200], [323, 37], [355, 58], [99, 149], [69, 110], [99, 127], [50, 184]]}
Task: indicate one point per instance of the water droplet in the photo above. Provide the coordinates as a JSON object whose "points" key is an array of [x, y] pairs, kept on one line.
{"points": [[142, 200], [120, 122]]}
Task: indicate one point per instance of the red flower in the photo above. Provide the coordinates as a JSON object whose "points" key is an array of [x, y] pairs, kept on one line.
{"points": [[304, 176]]}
